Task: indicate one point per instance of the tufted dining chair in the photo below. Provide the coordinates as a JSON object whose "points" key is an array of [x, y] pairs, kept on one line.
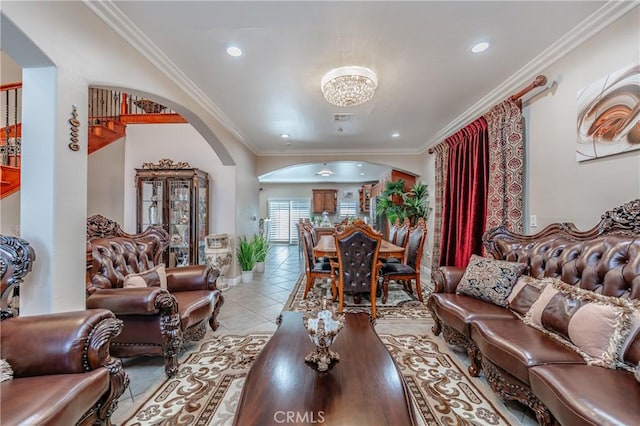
{"points": [[410, 269], [393, 231], [315, 269], [400, 238], [357, 248]]}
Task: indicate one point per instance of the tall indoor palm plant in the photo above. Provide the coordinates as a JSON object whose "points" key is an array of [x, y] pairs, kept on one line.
{"points": [[416, 202]]}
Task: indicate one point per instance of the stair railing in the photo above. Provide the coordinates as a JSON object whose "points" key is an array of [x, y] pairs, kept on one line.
{"points": [[10, 133], [106, 104]]}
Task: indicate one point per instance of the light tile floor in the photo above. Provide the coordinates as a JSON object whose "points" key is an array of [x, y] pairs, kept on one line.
{"points": [[251, 308]]}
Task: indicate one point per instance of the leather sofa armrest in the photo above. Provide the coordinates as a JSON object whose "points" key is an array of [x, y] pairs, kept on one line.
{"points": [[446, 279], [128, 301], [193, 277], [61, 343]]}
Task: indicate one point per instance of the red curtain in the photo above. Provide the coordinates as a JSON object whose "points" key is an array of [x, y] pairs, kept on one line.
{"points": [[465, 194]]}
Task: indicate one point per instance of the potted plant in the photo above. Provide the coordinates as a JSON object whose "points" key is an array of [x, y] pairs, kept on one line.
{"points": [[260, 248], [394, 203], [390, 203], [246, 258], [416, 202]]}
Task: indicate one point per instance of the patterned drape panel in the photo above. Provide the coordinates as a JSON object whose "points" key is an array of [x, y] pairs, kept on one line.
{"points": [[506, 167], [441, 162]]}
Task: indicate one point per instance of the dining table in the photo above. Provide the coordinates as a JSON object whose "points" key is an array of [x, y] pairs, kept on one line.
{"points": [[326, 247]]}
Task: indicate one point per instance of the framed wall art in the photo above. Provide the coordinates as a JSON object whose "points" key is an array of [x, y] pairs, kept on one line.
{"points": [[609, 115]]}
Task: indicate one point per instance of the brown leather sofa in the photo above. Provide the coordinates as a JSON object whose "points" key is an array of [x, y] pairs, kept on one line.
{"points": [[524, 364], [62, 371], [157, 321]]}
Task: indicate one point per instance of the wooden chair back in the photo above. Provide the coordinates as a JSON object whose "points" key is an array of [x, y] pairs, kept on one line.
{"points": [[357, 248]]}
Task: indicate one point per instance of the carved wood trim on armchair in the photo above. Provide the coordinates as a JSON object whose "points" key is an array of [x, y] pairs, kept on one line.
{"points": [[16, 261]]}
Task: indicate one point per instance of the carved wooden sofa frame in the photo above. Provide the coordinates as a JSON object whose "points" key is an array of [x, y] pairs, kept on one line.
{"points": [[49, 348], [105, 235], [16, 261], [500, 243]]}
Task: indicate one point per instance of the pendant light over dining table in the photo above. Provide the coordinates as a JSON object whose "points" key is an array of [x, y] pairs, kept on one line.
{"points": [[349, 86]]}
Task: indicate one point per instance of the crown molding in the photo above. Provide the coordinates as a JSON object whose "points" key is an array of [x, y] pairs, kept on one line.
{"points": [[600, 19], [114, 18], [324, 152]]}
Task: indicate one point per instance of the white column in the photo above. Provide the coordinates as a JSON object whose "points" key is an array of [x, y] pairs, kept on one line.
{"points": [[53, 191]]}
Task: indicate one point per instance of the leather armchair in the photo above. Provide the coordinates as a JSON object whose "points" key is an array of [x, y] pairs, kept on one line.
{"points": [[157, 321], [63, 373]]}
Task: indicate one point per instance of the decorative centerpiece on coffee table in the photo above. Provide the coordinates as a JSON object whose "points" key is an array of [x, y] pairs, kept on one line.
{"points": [[323, 326]]}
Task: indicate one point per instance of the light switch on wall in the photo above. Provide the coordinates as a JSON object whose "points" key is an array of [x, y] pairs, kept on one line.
{"points": [[533, 221]]}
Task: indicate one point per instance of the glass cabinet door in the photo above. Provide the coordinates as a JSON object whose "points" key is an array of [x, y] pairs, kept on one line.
{"points": [[180, 222], [202, 222], [152, 202]]}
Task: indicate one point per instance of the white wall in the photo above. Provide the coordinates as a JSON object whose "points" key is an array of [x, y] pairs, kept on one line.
{"points": [[178, 142], [181, 142], [98, 57], [557, 188], [561, 189], [105, 180]]}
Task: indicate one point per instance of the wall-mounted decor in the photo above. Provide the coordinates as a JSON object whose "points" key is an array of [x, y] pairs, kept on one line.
{"points": [[609, 115], [75, 125]]}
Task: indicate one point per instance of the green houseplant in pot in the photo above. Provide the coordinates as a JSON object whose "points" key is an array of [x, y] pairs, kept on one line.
{"points": [[394, 203], [416, 202], [390, 203], [246, 258], [260, 248]]}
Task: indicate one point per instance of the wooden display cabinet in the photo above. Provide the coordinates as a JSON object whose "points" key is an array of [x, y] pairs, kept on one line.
{"points": [[325, 200], [175, 197], [365, 197]]}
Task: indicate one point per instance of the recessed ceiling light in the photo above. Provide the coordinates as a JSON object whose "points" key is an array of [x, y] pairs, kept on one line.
{"points": [[234, 51], [325, 172], [284, 135], [480, 47], [395, 135], [362, 174], [359, 164]]}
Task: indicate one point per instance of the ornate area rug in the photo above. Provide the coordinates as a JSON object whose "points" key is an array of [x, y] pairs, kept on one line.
{"points": [[207, 388], [400, 305]]}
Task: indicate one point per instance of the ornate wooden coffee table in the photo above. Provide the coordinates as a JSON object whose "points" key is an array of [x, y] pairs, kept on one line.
{"points": [[364, 388]]}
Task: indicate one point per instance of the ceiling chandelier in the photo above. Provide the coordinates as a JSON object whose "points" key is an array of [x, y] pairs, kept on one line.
{"points": [[349, 86]]}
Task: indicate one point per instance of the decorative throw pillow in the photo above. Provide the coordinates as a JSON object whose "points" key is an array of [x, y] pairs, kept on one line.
{"points": [[154, 277], [490, 280], [630, 351], [525, 292], [593, 325], [6, 373]]}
